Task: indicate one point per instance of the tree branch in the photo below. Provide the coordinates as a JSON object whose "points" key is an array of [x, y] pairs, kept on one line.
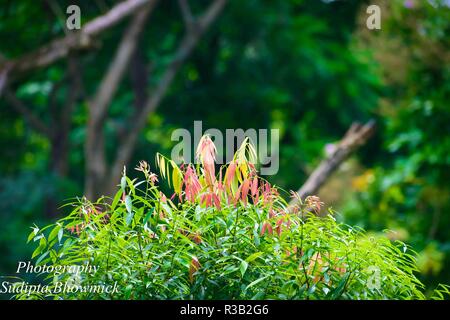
{"points": [[186, 13], [61, 118], [139, 78], [98, 107], [186, 46], [118, 65], [355, 137], [77, 88], [53, 97], [60, 48]]}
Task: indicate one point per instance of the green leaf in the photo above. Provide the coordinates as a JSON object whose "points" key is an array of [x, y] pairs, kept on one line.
{"points": [[38, 250], [129, 218], [254, 256], [123, 183], [32, 234], [116, 199], [60, 234], [148, 215], [42, 257], [166, 208], [139, 183], [54, 233], [128, 204], [256, 235], [229, 270], [337, 292], [253, 283], [312, 289], [243, 267], [128, 290], [131, 185], [162, 166]]}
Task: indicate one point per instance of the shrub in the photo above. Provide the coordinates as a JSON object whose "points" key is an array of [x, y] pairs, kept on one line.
{"points": [[224, 235]]}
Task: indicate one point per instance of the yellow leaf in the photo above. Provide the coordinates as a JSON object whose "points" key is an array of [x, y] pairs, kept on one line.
{"points": [[176, 178]]}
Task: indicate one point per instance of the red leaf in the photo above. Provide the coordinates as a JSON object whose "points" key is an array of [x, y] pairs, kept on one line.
{"points": [[245, 188], [193, 268]]}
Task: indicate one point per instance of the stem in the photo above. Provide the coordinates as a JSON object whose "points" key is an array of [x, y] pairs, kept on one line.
{"points": [[234, 229], [345, 285], [139, 237], [107, 259], [157, 213], [303, 263], [173, 256], [215, 233]]}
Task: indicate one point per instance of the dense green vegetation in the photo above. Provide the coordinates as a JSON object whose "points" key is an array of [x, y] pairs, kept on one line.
{"points": [[224, 236]]}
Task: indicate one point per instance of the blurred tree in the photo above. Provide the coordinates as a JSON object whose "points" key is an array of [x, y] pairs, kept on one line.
{"points": [[408, 190], [99, 178]]}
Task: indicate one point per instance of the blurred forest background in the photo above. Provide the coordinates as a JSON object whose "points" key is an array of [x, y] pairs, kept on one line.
{"points": [[72, 113]]}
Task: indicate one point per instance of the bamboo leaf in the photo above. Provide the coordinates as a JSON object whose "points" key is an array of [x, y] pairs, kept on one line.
{"points": [[129, 218], [42, 257], [254, 256], [148, 215], [337, 292], [54, 233], [60, 234], [253, 283], [123, 183], [128, 204], [116, 199], [243, 267]]}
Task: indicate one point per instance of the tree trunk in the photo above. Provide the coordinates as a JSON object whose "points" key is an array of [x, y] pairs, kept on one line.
{"points": [[355, 137], [96, 165]]}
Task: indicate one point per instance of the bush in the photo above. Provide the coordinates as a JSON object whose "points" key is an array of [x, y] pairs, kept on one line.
{"points": [[220, 236]]}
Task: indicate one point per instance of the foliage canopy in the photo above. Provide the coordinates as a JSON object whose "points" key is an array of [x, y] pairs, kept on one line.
{"points": [[225, 235]]}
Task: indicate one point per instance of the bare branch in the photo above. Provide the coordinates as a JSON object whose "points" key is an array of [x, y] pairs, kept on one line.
{"points": [[60, 141], [139, 77], [76, 89], [113, 16], [3, 79], [29, 116], [52, 96], [186, 46], [98, 107], [355, 137], [60, 48], [118, 65], [186, 13], [211, 14]]}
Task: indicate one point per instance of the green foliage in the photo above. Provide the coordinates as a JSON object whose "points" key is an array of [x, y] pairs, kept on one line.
{"points": [[250, 244], [407, 190]]}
